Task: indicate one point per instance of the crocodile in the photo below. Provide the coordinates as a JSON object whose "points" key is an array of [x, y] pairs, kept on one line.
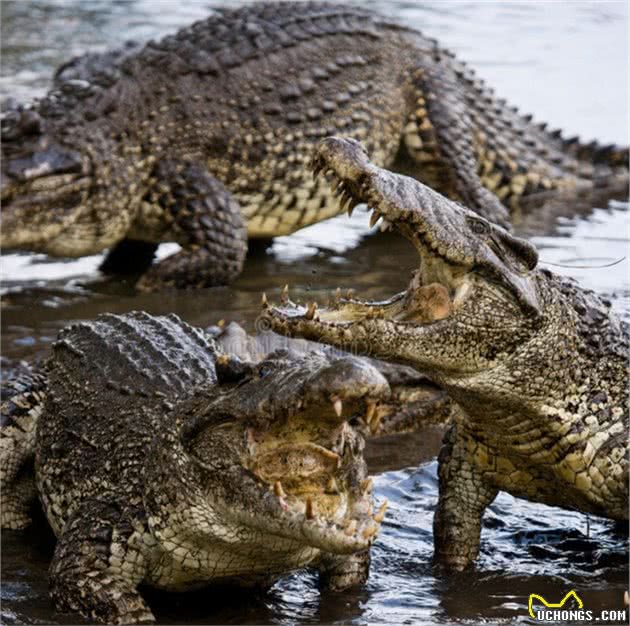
{"points": [[413, 404], [168, 463], [536, 366], [203, 139]]}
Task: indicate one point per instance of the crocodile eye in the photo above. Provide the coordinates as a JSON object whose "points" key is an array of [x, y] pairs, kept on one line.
{"points": [[478, 227], [264, 370]]}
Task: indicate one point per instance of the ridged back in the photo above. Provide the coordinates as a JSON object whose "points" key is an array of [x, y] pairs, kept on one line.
{"points": [[232, 38], [140, 352]]}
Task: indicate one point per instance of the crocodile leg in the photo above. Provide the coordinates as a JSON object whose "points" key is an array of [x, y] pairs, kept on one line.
{"points": [[440, 138], [94, 571], [206, 222], [464, 495], [341, 572], [130, 256]]}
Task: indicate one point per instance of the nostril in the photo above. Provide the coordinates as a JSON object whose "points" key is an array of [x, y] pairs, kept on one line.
{"points": [[31, 123], [17, 122]]}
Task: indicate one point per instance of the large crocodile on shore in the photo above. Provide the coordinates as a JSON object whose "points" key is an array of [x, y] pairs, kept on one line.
{"points": [[160, 460], [537, 366], [203, 138]]}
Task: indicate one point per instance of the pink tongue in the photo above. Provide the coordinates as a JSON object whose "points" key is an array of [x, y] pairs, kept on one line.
{"points": [[428, 303]]}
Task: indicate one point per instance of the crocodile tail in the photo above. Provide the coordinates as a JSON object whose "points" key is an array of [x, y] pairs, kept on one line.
{"points": [[23, 397], [605, 158], [610, 155], [23, 400]]}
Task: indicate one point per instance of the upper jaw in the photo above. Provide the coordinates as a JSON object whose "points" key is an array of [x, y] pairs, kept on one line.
{"points": [[439, 229], [403, 204]]}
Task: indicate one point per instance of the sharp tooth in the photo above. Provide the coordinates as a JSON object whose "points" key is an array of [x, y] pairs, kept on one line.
{"points": [[251, 440], [278, 490], [221, 323], [351, 528], [385, 225], [374, 218], [380, 514], [309, 509], [367, 485], [338, 406], [349, 202], [372, 417], [310, 312], [331, 486], [461, 293], [375, 423], [264, 301], [350, 294], [338, 294], [371, 410], [284, 295]]}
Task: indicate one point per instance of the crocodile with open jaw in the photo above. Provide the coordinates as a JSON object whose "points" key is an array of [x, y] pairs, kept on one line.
{"points": [[413, 404], [203, 138], [165, 462], [537, 366]]}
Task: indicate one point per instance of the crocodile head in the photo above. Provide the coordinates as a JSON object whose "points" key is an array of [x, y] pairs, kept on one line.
{"points": [[474, 299], [283, 463], [44, 183]]}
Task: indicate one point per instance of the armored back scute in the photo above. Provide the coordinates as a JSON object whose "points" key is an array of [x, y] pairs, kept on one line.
{"points": [[141, 353]]}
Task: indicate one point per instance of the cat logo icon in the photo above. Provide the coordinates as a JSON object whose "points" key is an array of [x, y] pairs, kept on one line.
{"points": [[552, 605]]}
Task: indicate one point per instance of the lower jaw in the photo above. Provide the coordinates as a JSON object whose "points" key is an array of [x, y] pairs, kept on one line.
{"points": [[343, 532], [253, 565]]}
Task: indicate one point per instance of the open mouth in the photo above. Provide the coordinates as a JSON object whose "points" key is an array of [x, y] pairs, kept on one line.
{"points": [[292, 439], [438, 288], [317, 475], [461, 255]]}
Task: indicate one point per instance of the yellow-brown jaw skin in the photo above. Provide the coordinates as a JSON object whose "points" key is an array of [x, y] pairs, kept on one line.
{"points": [[161, 461], [537, 366]]}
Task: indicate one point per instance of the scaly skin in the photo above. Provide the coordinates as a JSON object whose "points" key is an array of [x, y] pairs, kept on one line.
{"points": [[161, 461], [537, 366], [414, 401], [203, 138]]}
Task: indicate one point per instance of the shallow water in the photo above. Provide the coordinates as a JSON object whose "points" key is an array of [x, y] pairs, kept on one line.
{"points": [[567, 63]]}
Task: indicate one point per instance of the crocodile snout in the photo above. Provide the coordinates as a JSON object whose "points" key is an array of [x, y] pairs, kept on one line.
{"points": [[346, 157], [346, 382]]}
